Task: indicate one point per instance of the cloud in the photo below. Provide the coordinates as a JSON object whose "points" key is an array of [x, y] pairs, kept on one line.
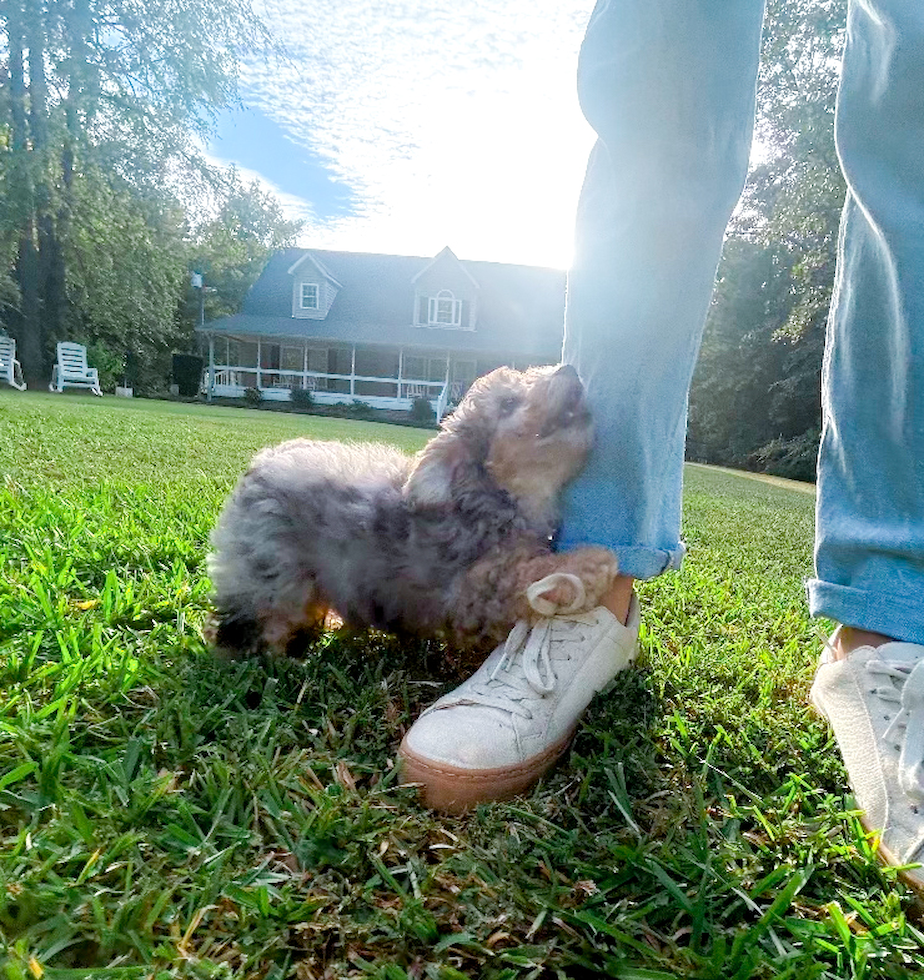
{"points": [[449, 123]]}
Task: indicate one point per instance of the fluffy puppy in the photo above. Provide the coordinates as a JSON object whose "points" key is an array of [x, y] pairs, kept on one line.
{"points": [[444, 543]]}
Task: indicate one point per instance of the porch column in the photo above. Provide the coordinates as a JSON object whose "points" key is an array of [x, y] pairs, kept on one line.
{"points": [[400, 368], [211, 384], [353, 372], [305, 367], [259, 362]]}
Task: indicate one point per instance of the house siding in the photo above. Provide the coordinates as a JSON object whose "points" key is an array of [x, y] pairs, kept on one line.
{"points": [[309, 274], [446, 274]]}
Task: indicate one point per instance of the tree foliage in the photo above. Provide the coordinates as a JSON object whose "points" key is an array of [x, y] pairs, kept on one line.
{"points": [[755, 399], [99, 107], [229, 247], [125, 257]]}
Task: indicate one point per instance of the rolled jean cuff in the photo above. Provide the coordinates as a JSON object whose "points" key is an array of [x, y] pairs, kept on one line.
{"points": [[897, 618], [638, 562]]}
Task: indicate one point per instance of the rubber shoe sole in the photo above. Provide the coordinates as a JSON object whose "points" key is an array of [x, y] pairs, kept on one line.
{"points": [[453, 790]]}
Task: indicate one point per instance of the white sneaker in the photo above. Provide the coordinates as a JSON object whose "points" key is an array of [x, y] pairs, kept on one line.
{"points": [[498, 732], [874, 700]]}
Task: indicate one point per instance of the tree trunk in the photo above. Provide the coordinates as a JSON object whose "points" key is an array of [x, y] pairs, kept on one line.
{"points": [[25, 323], [50, 270]]}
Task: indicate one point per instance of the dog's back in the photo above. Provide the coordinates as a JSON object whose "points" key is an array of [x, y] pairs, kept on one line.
{"points": [[305, 511]]}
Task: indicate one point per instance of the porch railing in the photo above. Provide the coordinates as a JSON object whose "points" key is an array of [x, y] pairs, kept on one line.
{"points": [[334, 386]]}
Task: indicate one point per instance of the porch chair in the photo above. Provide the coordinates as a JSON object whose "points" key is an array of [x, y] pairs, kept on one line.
{"points": [[9, 366], [71, 369]]}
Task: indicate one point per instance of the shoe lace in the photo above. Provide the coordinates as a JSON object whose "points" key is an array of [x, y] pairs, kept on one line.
{"points": [[525, 670], [904, 686]]}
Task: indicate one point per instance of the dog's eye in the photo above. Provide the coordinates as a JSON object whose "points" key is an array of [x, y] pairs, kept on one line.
{"points": [[508, 405]]}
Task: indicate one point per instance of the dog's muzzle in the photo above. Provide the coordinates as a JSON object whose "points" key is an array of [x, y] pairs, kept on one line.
{"points": [[567, 408]]}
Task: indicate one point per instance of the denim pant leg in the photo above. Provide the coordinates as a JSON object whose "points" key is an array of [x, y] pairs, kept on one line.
{"points": [[669, 87], [870, 518]]}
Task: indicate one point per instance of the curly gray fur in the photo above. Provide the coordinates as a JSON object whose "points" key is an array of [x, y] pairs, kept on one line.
{"points": [[444, 542]]}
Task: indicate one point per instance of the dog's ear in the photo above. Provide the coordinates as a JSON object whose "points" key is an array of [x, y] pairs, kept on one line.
{"points": [[430, 481], [449, 464]]}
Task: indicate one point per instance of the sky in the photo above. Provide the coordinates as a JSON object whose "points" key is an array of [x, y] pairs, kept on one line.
{"points": [[409, 125]]}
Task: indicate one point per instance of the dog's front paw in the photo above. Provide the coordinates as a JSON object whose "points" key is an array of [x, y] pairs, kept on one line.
{"points": [[557, 594], [233, 636], [597, 568], [580, 582]]}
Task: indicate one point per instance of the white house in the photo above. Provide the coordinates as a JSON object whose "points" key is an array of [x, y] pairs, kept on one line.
{"points": [[384, 329]]}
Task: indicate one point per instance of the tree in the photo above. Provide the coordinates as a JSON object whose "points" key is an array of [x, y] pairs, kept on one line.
{"points": [[230, 247], [125, 256], [104, 92], [738, 357], [755, 396], [799, 192], [9, 291]]}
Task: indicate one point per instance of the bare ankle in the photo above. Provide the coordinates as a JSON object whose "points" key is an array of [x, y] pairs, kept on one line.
{"points": [[619, 597], [850, 638]]}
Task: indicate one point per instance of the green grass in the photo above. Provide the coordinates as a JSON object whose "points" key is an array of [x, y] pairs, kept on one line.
{"points": [[163, 815]]}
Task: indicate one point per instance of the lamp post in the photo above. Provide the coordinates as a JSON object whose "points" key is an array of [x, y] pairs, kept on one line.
{"points": [[197, 282], [195, 279]]}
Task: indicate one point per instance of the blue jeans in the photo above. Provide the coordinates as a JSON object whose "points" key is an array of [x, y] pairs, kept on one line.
{"points": [[668, 85]]}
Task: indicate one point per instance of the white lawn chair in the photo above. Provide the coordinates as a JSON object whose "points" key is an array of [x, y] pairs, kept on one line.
{"points": [[71, 370], [10, 368]]}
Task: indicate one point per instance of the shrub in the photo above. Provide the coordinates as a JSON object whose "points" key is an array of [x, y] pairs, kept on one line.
{"points": [[422, 410], [794, 458], [301, 398], [187, 373], [361, 409], [253, 397], [109, 364]]}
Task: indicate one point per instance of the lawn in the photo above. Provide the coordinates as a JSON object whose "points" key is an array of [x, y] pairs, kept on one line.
{"points": [[164, 815]]}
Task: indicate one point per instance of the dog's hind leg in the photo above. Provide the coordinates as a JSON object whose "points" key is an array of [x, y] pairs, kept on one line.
{"points": [[286, 626], [234, 635]]}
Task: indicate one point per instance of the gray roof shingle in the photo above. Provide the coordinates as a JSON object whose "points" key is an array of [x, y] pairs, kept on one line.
{"points": [[520, 308]]}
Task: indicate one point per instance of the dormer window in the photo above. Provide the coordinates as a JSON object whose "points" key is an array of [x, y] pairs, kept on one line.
{"points": [[310, 299], [444, 310]]}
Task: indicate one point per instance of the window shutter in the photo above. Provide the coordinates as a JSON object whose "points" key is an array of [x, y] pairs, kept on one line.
{"points": [[431, 317], [423, 310], [464, 308]]}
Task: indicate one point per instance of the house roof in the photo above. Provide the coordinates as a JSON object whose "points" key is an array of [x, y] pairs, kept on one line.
{"points": [[305, 257], [520, 308]]}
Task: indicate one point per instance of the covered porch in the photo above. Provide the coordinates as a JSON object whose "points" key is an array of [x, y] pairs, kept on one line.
{"points": [[385, 377]]}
